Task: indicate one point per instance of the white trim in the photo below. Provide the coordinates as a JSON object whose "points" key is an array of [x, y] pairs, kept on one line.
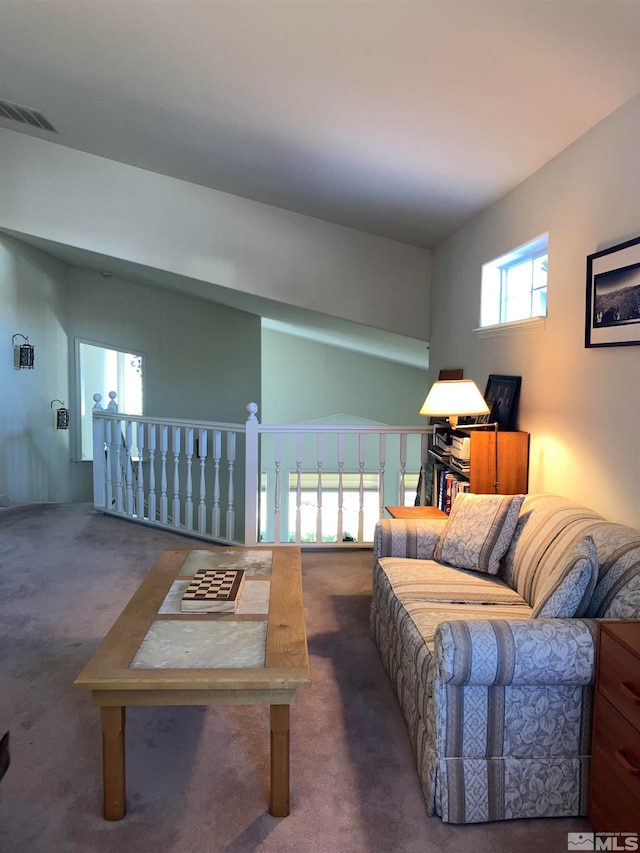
{"points": [[532, 249], [515, 327]]}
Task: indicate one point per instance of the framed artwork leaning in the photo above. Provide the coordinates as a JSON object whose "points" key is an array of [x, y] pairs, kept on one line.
{"points": [[612, 317], [502, 395]]}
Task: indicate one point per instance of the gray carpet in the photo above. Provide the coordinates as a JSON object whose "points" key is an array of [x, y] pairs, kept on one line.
{"points": [[197, 778]]}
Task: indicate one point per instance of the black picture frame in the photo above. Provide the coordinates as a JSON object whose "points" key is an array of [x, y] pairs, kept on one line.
{"points": [[502, 395], [612, 313]]}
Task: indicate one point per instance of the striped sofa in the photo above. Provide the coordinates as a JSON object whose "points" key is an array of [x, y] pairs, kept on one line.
{"points": [[493, 673]]}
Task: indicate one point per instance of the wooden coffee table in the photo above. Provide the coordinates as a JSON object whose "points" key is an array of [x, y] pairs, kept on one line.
{"points": [[156, 655]]}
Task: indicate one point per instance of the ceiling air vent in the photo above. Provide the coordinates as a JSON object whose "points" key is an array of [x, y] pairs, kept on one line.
{"points": [[25, 115]]}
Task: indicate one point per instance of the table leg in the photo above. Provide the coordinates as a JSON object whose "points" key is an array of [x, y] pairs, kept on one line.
{"points": [[279, 793], [113, 767]]}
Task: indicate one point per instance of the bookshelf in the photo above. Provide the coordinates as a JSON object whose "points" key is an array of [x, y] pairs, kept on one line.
{"points": [[479, 475]]}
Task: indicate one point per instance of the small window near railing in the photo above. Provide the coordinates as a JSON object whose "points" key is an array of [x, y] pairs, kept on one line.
{"points": [[514, 286], [100, 369]]}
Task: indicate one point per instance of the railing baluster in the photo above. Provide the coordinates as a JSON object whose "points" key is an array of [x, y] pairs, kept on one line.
{"points": [[382, 460], [217, 454], [129, 466], [422, 479], [276, 509], [202, 506], [252, 480], [164, 500], [188, 512], [403, 465], [231, 458], [140, 442], [109, 446], [152, 472], [319, 492], [361, 461], [175, 508], [118, 442], [298, 487], [340, 533]]}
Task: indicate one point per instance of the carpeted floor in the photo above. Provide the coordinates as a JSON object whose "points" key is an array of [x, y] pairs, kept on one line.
{"points": [[197, 778]]}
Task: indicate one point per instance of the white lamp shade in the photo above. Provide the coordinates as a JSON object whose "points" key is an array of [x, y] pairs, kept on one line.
{"points": [[456, 397]]}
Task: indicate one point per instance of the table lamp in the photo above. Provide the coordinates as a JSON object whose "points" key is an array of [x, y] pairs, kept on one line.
{"points": [[456, 398], [453, 399]]}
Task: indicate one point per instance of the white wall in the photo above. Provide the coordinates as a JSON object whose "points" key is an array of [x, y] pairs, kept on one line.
{"points": [[34, 456], [303, 380], [84, 201], [202, 361], [581, 406]]}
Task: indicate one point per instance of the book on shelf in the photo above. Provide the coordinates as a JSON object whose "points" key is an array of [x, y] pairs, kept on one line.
{"points": [[447, 486], [441, 443]]}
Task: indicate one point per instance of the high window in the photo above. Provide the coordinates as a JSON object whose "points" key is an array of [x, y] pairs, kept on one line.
{"points": [[514, 286]]}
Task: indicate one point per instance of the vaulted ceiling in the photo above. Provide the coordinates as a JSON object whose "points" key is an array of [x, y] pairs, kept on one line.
{"points": [[399, 118]]}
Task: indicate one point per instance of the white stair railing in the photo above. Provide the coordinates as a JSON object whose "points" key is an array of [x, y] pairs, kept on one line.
{"points": [[316, 460], [151, 479], [313, 484]]}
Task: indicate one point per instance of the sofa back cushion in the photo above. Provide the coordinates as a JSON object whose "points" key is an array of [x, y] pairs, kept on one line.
{"points": [[550, 527], [478, 531], [564, 588], [617, 595]]}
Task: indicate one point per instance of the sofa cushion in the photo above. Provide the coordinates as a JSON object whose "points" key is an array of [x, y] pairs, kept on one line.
{"points": [[407, 537], [428, 615], [426, 580], [617, 595], [478, 531], [511, 652], [548, 528], [567, 586]]}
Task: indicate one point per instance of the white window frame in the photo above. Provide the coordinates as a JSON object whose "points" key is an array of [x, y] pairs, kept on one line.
{"points": [[493, 292], [84, 407]]}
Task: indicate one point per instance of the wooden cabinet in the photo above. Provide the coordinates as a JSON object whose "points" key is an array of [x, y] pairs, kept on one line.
{"points": [[512, 463], [505, 472], [614, 794]]}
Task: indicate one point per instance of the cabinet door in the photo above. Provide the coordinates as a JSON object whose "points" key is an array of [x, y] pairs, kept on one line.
{"points": [[512, 462]]}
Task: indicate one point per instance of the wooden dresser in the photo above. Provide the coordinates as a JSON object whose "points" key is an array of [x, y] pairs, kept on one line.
{"points": [[614, 797]]}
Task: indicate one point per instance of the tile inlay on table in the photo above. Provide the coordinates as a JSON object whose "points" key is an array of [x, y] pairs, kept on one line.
{"points": [[254, 562], [192, 643]]}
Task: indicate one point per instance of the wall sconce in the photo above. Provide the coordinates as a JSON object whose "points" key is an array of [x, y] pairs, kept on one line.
{"points": [[62, 415], [23, 353]]}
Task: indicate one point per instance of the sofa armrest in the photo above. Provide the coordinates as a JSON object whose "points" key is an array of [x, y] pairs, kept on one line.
{"points": [[404, 537], [516, 652]]}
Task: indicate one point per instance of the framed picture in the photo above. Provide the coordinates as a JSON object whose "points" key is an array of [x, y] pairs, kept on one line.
{"points": [[613, 296], [447, 376], [502, 395]]}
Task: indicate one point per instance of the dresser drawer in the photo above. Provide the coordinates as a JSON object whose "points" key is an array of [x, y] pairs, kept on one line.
{"points": [[612, 806], [615, 770], [619, 679]]}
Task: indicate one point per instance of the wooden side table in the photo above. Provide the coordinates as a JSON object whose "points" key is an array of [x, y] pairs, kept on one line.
{"points": [[415, 512], [614, 794]]}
